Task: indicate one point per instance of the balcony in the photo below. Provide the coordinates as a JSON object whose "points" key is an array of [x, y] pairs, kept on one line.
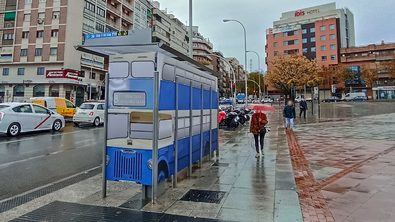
{"points": [[113, 8], [128, 4]]}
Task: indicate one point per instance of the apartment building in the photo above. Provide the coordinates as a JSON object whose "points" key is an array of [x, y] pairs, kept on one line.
{"points": [[316, 32], [37, 54], [374, 56], [202, 48], [225, 75], [168, 29], [142, 14]]}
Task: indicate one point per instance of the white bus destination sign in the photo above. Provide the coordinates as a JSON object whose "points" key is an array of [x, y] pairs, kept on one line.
{"points": [[129, 99]]}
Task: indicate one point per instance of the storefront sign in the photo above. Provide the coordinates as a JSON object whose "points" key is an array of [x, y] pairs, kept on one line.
{"points": [[385, 88], [65, 73]]}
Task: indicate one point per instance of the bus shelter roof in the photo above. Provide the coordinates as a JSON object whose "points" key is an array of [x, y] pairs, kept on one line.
{"points": [[105, 50]]}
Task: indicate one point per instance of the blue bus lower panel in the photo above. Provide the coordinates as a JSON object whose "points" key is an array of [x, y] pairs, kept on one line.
{"points": [[133, 164]]}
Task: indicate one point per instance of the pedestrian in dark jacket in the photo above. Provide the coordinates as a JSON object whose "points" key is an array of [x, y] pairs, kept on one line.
{"points": [[289, 115], [302, 108]]}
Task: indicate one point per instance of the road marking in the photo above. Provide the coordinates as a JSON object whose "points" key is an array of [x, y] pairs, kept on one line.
{"points": [[60, 134], [5, 165]]}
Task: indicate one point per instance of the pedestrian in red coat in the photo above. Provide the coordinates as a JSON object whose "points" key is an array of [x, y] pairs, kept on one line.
{"points": [[258, 129]]}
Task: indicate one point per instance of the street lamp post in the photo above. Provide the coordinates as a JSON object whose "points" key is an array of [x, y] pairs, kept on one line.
{"points": [[232, 70], [259, 69], [190, 30], [245, 55]]}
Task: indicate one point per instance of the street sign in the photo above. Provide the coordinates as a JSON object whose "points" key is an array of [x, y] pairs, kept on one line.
{"points": [[106, 35]]}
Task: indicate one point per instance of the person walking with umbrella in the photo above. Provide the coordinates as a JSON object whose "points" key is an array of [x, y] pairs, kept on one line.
{"points": [[258, 129]]}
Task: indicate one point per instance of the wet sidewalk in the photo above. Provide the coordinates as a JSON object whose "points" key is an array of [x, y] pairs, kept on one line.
{"points": [[239, 187]]}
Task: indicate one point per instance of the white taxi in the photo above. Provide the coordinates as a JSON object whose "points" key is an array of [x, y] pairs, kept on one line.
{"points": [[16, 118], [89, 113]]}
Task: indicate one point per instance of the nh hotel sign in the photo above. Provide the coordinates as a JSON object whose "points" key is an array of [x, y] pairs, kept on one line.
{"points": [[306, 12]]}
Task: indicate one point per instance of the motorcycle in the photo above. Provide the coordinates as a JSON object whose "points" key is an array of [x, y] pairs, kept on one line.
{"points": [[231, 120]]}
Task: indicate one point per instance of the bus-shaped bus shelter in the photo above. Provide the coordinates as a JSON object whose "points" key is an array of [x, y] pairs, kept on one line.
{"points": [[161, 112]]}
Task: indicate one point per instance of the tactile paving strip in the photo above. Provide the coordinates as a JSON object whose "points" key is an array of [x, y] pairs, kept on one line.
{"points": [[19, 200]]}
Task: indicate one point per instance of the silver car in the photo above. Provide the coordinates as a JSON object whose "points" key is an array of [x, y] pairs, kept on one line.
{"points": [[16, 118]]}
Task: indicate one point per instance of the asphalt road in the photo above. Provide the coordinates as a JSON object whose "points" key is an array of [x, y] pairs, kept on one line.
{"points": [[36, 159]]}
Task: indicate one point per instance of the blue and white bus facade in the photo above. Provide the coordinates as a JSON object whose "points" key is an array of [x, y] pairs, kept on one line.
{"points": [[130, 126]]}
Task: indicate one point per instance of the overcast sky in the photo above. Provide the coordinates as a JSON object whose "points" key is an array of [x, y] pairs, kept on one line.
{"points": [[374, 21]]}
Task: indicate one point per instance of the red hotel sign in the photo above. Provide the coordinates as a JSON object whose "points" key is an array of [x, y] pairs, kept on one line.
{"points": [[303, 12], [65, 73]]}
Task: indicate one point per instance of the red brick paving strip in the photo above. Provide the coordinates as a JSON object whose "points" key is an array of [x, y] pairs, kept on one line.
{"points": [[325, 182], [313, 204]]}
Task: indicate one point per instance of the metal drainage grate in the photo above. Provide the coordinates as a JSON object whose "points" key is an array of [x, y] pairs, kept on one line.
{"points": [[62, 211], [19, 200], [206, 196]]}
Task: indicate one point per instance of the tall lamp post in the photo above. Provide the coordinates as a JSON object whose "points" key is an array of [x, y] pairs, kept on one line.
{"points": [[190, 30], [259, 69], [245, 55]]}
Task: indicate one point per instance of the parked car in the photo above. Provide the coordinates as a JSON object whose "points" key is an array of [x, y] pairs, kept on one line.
{"points": [[331, 99], [359, 99], [267, 99], [89, 113], [355, 95], [16, 118], [60, 105]]}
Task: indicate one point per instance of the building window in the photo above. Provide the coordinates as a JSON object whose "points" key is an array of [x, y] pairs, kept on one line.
{"points": [[296, 42], [304, 50], [40, 71], [38, 52], [25, 34], [333, 46], [93, 75], [332, 27], [6, 71], [304, 31], [323, 28], [275, 53], [23, 52], [41, 15], [333, 57], [332, 36], [54, 33], [55, 15], [323, 48], [101, 12], [99, 27], [8, 36], [275, 44], [323, 58], [312, 30], [40, 34], [89, 6], [19, 90], [285, 43], [21, 71], [26, 17], [27, 2], [275, 35], [38, 91], [296, 32], [323, 37], [53, 51], [304, 40], [312, 39], [312, 49]]}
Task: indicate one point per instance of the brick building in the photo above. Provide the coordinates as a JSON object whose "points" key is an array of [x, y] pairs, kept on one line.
{"points": [[374, 56]]}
